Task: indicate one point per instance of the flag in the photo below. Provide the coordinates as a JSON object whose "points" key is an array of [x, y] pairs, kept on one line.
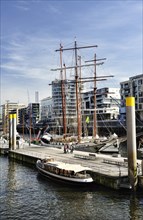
{"points": [[87, 119]]}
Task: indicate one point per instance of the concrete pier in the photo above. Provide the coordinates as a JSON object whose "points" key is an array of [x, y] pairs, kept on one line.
{"points": [[106, 170]]}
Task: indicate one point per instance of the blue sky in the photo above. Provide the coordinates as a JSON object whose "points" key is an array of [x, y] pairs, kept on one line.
{"points": [[31, 31]]}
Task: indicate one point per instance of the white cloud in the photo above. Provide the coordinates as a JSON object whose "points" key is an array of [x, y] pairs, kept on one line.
{"points": [[22, 5], [28, 53], [52, 8]]}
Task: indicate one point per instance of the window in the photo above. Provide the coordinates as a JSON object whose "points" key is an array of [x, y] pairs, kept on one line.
{"points": [[140, 94], [140, 81], [140, 100], [87, 104]]}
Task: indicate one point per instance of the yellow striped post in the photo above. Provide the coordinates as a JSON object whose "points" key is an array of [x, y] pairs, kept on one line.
{"points": [[131, 141], [10, 131], [13, 131]]}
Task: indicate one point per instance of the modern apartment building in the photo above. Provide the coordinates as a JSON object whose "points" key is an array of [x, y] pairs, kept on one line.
{"points": [[70, 102], [28, 117], [22, 114], [107, 103], [8, 108], [33, 112], [132, 87], [46, 108]]}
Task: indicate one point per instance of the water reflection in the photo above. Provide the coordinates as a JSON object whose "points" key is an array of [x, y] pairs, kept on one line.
{"points": [[98, 201], [136, 207], [25, 195], [11, 185]]}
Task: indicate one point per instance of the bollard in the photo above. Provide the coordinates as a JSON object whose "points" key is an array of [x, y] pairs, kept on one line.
{"points": [[13, 131], [10, 131], [131, 141]]}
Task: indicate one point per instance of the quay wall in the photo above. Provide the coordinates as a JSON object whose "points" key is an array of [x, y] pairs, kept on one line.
{"points": [[23, 157], [105, 180], [4, 151], [141, 182]]}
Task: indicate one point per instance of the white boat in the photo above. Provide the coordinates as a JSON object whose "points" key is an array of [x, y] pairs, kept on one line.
{"points": [[69, 173], [45, 139]]}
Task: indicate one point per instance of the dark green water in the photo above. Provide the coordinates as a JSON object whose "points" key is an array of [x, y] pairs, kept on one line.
{"points": [[25, 195]]}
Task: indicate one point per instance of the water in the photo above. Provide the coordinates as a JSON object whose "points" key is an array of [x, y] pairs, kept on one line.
{"points": [[24, 195]]}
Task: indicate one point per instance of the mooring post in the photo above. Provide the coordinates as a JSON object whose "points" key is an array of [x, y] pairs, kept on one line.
{"points": [[13, 131], [131, 141], [10, 131]]}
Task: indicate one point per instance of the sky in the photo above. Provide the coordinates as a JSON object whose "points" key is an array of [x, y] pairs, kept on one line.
{"points": [[31, 31]]}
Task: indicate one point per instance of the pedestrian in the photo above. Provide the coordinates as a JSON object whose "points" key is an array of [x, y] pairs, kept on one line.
{"points": [[65, 148], [68, 148], [72, 148]]}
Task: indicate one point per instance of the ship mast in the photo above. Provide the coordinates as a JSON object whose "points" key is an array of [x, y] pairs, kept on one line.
{"points": [[78, 106], [95, 89], [95, 79], [80, 100], [63, 92]]}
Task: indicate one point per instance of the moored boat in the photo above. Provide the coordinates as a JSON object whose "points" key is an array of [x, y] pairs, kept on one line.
{"points": [[69, 173], [45, 139]]}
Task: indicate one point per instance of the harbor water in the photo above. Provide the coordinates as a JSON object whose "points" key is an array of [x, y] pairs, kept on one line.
{"points": [[24, 195]]}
